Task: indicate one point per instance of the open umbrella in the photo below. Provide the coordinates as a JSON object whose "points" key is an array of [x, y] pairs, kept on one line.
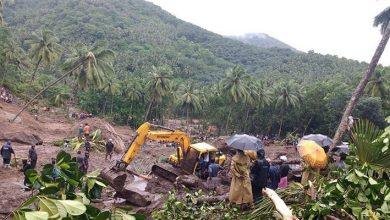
{"points": [[312, 153], [320, 139], [244, 142]]}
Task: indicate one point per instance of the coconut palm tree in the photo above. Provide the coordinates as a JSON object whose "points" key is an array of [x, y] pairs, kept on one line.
{"points": [[189, 99], [258, 97], [382, 20], [88, 68], [286, 98], [158, 86], [97, 63], [1, 16], [378, 85], [133, 90], [44, 48], [61, 99], [111, 87], [234, 86]]}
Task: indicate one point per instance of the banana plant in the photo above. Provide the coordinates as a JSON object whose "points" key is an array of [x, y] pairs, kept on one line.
{"points": [[95, 140], [64, 192]]}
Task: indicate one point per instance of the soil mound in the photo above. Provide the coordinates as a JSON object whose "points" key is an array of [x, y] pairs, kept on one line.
{"points": [[21, 137]]}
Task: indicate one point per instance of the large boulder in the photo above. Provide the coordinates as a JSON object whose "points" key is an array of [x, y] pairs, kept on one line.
{"points": [[21, 137]]}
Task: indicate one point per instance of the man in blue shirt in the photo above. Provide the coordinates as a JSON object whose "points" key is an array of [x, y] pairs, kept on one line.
{"points": [[6, 152], [214, 168]]}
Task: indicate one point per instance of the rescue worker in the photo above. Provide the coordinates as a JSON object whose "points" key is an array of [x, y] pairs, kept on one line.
{"points": [[284, 169], [259, 173], [240, 187], [6, 151], [213, 168], [109, 148], [86, 131], [80, 160], [26, 166], [33, 156], [87, 146], [81, 132], [86, 161]]}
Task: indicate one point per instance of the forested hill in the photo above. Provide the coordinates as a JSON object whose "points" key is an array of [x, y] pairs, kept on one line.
{"points": [[261, 40], [143, 35]]}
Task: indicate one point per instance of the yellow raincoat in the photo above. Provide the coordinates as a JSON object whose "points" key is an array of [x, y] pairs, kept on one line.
{"points": [[240, 187]]}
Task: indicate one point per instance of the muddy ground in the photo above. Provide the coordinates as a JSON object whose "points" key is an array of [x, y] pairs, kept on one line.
{"points": [[52, 126]]}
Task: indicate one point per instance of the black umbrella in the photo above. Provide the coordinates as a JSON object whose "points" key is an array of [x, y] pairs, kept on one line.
{"points": [[244, 142]]}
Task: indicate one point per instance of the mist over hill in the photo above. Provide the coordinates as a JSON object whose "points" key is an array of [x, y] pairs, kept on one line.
{"points": [[261, 40]]}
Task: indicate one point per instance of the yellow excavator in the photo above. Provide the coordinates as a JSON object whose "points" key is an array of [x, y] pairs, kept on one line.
{"points": [[184, 161]]}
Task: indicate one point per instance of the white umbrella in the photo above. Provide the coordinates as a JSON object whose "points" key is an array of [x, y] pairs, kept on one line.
{"points": [[320, 139]]}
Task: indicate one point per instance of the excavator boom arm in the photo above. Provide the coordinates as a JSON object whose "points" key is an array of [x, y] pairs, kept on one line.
{"points": [[144, 133]]}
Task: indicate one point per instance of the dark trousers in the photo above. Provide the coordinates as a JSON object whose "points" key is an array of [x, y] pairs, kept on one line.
{"points": [[257, 192], [33, 163]]}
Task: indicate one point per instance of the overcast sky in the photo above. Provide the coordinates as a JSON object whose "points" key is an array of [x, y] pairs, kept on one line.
{"points": [[337, 27]]}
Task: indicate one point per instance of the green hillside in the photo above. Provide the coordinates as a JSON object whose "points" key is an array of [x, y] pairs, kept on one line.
{"points": [[157, 66], [144, 35]]}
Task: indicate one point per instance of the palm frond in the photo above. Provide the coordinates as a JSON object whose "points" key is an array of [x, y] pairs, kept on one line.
{"points": [[382, 19], [366, 137]]}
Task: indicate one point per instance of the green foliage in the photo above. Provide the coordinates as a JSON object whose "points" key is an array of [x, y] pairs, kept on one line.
{"points": [[369, 144], [190, 208], [157, 55], [361, 190], [64, 192]]}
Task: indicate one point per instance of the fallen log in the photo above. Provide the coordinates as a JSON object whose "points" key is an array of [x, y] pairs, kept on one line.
{"points": [[212, 199], [280, 206]]}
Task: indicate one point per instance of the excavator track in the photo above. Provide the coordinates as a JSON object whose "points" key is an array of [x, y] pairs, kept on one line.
{"points": [[166, 172]]}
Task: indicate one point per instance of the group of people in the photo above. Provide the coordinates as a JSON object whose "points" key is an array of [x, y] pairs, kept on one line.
{"points": [[7, 151], [83, 160], [82, 115], [249, 179], [84, 131]]}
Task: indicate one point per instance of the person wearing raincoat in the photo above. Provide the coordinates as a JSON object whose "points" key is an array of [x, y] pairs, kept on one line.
{"points": [[240, 187]]}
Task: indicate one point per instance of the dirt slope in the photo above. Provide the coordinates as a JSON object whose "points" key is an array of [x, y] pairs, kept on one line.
{"points": [[49, 127]]}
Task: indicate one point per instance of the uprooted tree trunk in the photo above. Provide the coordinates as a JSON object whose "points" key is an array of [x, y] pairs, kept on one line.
{"points": [[360, 88], [46, 88], [280, 206]]}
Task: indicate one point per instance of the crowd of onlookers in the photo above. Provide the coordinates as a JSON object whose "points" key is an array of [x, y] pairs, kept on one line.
{"points": [[81, 115]]}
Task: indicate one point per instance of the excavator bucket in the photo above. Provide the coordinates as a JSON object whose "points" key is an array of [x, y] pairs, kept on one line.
{"points": [[165, 172], [115, 178]]}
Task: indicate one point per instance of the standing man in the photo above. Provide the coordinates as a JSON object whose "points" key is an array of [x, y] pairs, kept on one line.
{"points": [[80, 160], [240, 187], [81, 132], [86, 131], [109, 148], [87, 146], [86, 161], [32, 156], [6, 152], [259, 174], [284, 169]]}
